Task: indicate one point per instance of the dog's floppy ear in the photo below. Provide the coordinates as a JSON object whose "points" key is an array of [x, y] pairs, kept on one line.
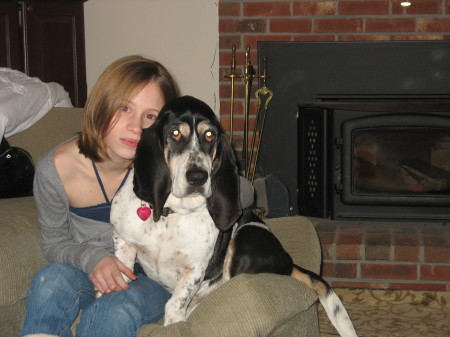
{"points": [[223, 204], [152, 181]]}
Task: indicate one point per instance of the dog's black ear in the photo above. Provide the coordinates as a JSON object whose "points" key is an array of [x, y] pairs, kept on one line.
{"points": [[224, 204], [152, 181]]}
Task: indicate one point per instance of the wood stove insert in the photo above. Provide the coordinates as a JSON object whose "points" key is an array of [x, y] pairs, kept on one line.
{"points": [[375, 158]]}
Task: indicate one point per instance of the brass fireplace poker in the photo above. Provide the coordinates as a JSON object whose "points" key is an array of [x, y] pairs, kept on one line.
{"points": [[258, 129], [248, 76]]}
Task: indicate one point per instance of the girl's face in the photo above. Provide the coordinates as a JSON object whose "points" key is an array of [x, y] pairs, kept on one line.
{"points": [[133, 115]]}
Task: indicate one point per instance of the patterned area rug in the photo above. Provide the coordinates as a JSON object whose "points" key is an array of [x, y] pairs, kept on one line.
{"points": [[388, 313]]}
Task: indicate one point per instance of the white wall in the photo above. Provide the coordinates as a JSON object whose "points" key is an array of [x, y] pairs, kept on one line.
{"points": [[181, 34]]}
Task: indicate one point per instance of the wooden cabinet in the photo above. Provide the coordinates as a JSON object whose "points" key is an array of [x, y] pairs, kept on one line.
{"points": [[45, 39]]}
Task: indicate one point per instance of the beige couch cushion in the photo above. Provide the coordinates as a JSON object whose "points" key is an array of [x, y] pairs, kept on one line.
{"points": [[56, 126], [21, 253]]}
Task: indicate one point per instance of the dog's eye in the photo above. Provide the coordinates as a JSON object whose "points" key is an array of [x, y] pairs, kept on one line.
{"points": [[209, 136], [176, 134]]}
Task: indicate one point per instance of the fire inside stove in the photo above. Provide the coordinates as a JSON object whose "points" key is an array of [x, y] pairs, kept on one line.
{"points": [[401, 161]]}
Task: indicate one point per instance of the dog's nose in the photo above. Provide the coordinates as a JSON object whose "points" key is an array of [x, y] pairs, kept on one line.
{"points": [[196, 177]]}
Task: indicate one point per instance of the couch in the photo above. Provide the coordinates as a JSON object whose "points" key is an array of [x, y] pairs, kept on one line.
{"points": [[248, 305]]}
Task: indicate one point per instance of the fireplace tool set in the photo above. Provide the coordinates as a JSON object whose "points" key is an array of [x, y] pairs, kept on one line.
{"points": [[263, 96]]}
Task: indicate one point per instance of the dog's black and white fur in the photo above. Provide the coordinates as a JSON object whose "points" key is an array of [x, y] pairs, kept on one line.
{"points": [[197, 237]]}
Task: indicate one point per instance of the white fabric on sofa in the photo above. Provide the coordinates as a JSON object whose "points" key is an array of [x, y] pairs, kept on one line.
{"points": [[24, 100]]}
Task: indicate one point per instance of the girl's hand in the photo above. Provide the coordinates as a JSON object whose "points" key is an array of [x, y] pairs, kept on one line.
{"points": [[106, 276]]}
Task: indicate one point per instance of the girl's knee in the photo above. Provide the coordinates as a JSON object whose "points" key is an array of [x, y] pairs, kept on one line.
{"points": [[56, 277]]}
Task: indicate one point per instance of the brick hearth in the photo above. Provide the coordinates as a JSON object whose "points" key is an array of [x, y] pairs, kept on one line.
{"points": [[385, 255]]}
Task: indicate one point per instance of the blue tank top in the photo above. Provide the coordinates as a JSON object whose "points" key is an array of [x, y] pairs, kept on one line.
{"points": [[98, 212]]}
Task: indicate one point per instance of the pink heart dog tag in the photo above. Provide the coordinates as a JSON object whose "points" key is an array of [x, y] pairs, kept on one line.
{"points": [[144, 212]]}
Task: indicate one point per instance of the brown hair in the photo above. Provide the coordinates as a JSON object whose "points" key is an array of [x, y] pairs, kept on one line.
{"points": [[118, 82]]}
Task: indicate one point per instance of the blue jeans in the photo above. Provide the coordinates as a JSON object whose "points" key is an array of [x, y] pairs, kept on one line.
{"points": [[59, 291]]}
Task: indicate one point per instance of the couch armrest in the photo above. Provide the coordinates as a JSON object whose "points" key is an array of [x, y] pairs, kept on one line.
{"points": [[247, 305], [21, 254], [259, 305]]}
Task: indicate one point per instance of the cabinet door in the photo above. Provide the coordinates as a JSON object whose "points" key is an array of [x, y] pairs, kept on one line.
{"points": [[54, 39], [10, 46]]}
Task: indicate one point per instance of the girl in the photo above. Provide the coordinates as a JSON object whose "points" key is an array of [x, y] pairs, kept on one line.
{"points": [[74, 185]]}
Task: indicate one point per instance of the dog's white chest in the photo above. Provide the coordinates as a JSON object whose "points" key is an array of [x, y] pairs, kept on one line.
{"points": [[177, 243], [165, 249]]}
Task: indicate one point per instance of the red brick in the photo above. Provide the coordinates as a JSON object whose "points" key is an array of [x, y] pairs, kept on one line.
{"points": [[363, 37], [418, 7], [225, 59], [348, 246], [439, 240], [406, 240], [225, 90], [447, 7], [406, 253], [290, 25], [252, 40], [338, 25], [227, 41], [349, 238], [418, 286], [339, 270], [377, 239], [437, 254], [388, 271], [359, 285], [377, 253], [434, 24], [435, 272], [415, 37], [313, 38], [310, 8], [242, 26], [267, 8], [229, 9], [348, 251], [375, 7], [238, 107], [385, 25], [238, 123]]}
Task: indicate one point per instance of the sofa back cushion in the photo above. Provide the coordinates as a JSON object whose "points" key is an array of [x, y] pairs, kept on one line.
{"points": [[56, 126]]}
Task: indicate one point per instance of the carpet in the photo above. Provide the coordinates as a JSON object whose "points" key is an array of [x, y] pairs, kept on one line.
{"points": [[393, 313]]}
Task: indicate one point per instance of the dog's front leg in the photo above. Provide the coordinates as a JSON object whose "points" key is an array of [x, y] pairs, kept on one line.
{"points": [[186, 288], [125, 253]]}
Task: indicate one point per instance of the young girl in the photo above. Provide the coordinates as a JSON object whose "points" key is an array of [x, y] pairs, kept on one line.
{"points": [[74, 185]]}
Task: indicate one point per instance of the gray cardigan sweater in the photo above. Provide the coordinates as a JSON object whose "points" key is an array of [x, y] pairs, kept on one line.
{"points": [[69, 238]]}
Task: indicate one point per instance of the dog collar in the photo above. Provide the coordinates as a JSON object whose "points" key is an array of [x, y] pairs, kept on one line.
{"points": [[144, 211]]}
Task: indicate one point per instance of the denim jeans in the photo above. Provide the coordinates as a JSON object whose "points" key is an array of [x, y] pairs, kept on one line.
{"points": [[59, 291]]}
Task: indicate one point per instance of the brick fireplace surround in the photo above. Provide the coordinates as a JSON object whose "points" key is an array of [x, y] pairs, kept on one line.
{"points": [[356, 254]]}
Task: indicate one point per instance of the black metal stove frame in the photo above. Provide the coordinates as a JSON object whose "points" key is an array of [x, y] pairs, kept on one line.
{"points": [[325, 147]]}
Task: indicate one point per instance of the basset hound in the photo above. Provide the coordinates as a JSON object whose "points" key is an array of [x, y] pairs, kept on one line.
{"points": [[178, 215]]}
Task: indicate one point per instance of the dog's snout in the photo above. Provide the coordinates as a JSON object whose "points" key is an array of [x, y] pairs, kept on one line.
{"points": [[196, 177]]}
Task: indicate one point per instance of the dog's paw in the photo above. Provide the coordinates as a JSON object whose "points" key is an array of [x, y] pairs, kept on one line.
{"points": [[171, 319], [173, 314]]}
